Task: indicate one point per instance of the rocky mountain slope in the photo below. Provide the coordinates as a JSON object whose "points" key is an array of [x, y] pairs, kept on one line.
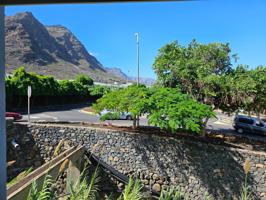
{"points": [[49, 50], [119, 73]]}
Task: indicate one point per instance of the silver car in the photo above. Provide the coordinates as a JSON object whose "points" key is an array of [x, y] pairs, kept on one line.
{"points": [[123, 115]]}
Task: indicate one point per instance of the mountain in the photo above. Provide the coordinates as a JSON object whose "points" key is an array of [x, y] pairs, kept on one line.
{"points": [[143, 80], [119, 73], [50, 50]]}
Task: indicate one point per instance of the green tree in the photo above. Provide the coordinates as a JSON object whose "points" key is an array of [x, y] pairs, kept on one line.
{"points": [[192, 67], [259, 96], [99, 90], [132, 99], [171, 110], [167, 108], [236, 90]]}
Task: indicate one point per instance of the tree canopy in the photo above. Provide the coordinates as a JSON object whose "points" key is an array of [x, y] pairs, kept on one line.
{"points": [[205, 72], [132, 99], [167, 108]]}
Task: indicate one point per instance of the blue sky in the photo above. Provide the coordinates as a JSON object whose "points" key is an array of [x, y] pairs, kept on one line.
{"points": [[107, 30]]}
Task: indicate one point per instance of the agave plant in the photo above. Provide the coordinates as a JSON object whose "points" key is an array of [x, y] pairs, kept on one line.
{"points": [[132, 191], [45, 193], [171, 194], [246, 193], [81, 190]]}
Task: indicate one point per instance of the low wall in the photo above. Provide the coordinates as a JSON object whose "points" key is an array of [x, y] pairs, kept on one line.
{"points": [[196, 167], [26, 155]]}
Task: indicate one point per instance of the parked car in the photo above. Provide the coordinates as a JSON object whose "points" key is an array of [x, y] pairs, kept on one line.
{"points": [[121, 115], [249, 125], [15, 116]]}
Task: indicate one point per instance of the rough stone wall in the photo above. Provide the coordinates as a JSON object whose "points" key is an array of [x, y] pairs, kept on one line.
{"points": [[26, 156], [193, 166]]}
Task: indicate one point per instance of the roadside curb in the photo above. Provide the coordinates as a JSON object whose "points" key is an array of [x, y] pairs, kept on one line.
{"points": [[87, 112]]}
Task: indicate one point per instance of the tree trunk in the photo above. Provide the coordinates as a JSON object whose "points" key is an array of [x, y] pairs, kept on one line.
{"points": [[134, 123], [203, 133], [138, 121]]}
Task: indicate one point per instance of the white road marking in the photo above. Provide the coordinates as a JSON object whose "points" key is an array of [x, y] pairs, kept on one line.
{"points": [[34, 117], [221, 123], [42, 115]]}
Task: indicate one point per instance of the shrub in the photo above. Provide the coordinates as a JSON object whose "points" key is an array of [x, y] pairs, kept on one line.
{"points": [[84, 80], [18, 83], [171, 110], [99, 90]]}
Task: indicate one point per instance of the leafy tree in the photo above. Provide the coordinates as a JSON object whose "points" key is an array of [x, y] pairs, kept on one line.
{"points": [[98, 90], [131, 99], [259, 76], [167, 108], [204, 71], [84, 80], [235, 90], [171, 110], [190, 67]]}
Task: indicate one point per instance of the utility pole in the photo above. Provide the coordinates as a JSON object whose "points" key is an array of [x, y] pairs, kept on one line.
{"points": [[3, 178], [137, 37]]}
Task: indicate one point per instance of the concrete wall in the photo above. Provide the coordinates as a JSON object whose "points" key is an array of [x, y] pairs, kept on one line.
{"points": [[194, 166]]}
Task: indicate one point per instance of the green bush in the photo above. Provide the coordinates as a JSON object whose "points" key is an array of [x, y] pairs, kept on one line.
{"points": [[18, 83], [99, 90], [84, 80]]}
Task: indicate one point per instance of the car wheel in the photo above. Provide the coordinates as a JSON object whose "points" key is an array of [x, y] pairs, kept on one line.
{"points": [[240, 130], [128, 117]]}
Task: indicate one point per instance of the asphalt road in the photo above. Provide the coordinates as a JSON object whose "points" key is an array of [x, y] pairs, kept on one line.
{"points": [[221, 124], [75, 115], [78, 115]]}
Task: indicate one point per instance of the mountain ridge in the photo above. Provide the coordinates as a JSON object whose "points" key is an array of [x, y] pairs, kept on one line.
{"points": [[53, 50], [49, 50]]}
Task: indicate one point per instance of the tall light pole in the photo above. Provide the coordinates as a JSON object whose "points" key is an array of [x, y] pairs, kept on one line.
{"points": [[2, 107], [137, 37]]}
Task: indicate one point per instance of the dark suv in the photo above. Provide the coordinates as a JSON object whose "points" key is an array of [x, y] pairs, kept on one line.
{"points": [[249, 124]]}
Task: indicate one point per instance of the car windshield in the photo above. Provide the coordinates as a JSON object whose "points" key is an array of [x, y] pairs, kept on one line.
{"points": [[246, 120]]}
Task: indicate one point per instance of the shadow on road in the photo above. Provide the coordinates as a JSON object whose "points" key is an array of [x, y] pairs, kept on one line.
{"points": [[54, 108]]}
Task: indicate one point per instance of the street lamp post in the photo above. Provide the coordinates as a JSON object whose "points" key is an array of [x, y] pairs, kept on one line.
{"points": [[137, 37]]}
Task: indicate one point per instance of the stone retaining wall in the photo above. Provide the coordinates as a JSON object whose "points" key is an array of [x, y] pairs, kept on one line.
{"points": [[26, 156], [196, 167]]}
